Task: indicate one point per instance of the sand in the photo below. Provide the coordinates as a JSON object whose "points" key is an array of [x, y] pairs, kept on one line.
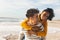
{"points": [[56, 34], [52, 34]]}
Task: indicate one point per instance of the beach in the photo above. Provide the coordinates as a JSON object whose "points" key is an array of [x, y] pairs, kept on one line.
{"points": [[11, 30], [53, 30]]}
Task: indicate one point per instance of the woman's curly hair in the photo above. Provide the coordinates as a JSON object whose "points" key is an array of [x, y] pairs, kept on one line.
{"points": [[51, 13]]}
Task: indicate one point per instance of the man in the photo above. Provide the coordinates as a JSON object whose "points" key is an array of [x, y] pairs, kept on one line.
{"points": [[42, 18]]}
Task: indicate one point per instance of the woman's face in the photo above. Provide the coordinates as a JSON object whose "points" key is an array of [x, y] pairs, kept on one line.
{"points": [[44, 15]]}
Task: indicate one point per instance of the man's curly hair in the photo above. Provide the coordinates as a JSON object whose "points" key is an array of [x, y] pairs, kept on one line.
{"points": [[31, 12]]}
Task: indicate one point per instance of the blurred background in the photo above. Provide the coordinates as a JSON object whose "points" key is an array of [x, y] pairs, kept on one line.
{"points": [[12, 12]]}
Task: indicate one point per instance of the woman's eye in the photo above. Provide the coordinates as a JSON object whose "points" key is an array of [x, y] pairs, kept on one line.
{"points": [[44, 14]]}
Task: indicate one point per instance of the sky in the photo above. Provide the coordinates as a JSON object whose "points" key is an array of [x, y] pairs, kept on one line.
{"points": [[18, 8]]}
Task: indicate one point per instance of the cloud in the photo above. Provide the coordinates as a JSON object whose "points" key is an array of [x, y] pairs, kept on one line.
{"points": [[57, 14], [12, 8], [20, 3], [16, 8], [15, 4], [57, 11], [48, 1]]}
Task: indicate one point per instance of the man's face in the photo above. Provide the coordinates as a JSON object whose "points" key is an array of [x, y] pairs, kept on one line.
{"points": [[34, 19], [44, 15]]}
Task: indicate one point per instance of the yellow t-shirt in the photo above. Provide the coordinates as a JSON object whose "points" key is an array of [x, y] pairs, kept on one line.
{"points": [[27, 27]]}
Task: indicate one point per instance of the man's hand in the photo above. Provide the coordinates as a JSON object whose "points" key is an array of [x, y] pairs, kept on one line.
{"points": [[30, 32], [35, 29]]}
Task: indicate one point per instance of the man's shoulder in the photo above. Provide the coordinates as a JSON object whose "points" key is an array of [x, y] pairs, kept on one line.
{"points": [[23, 21]]}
